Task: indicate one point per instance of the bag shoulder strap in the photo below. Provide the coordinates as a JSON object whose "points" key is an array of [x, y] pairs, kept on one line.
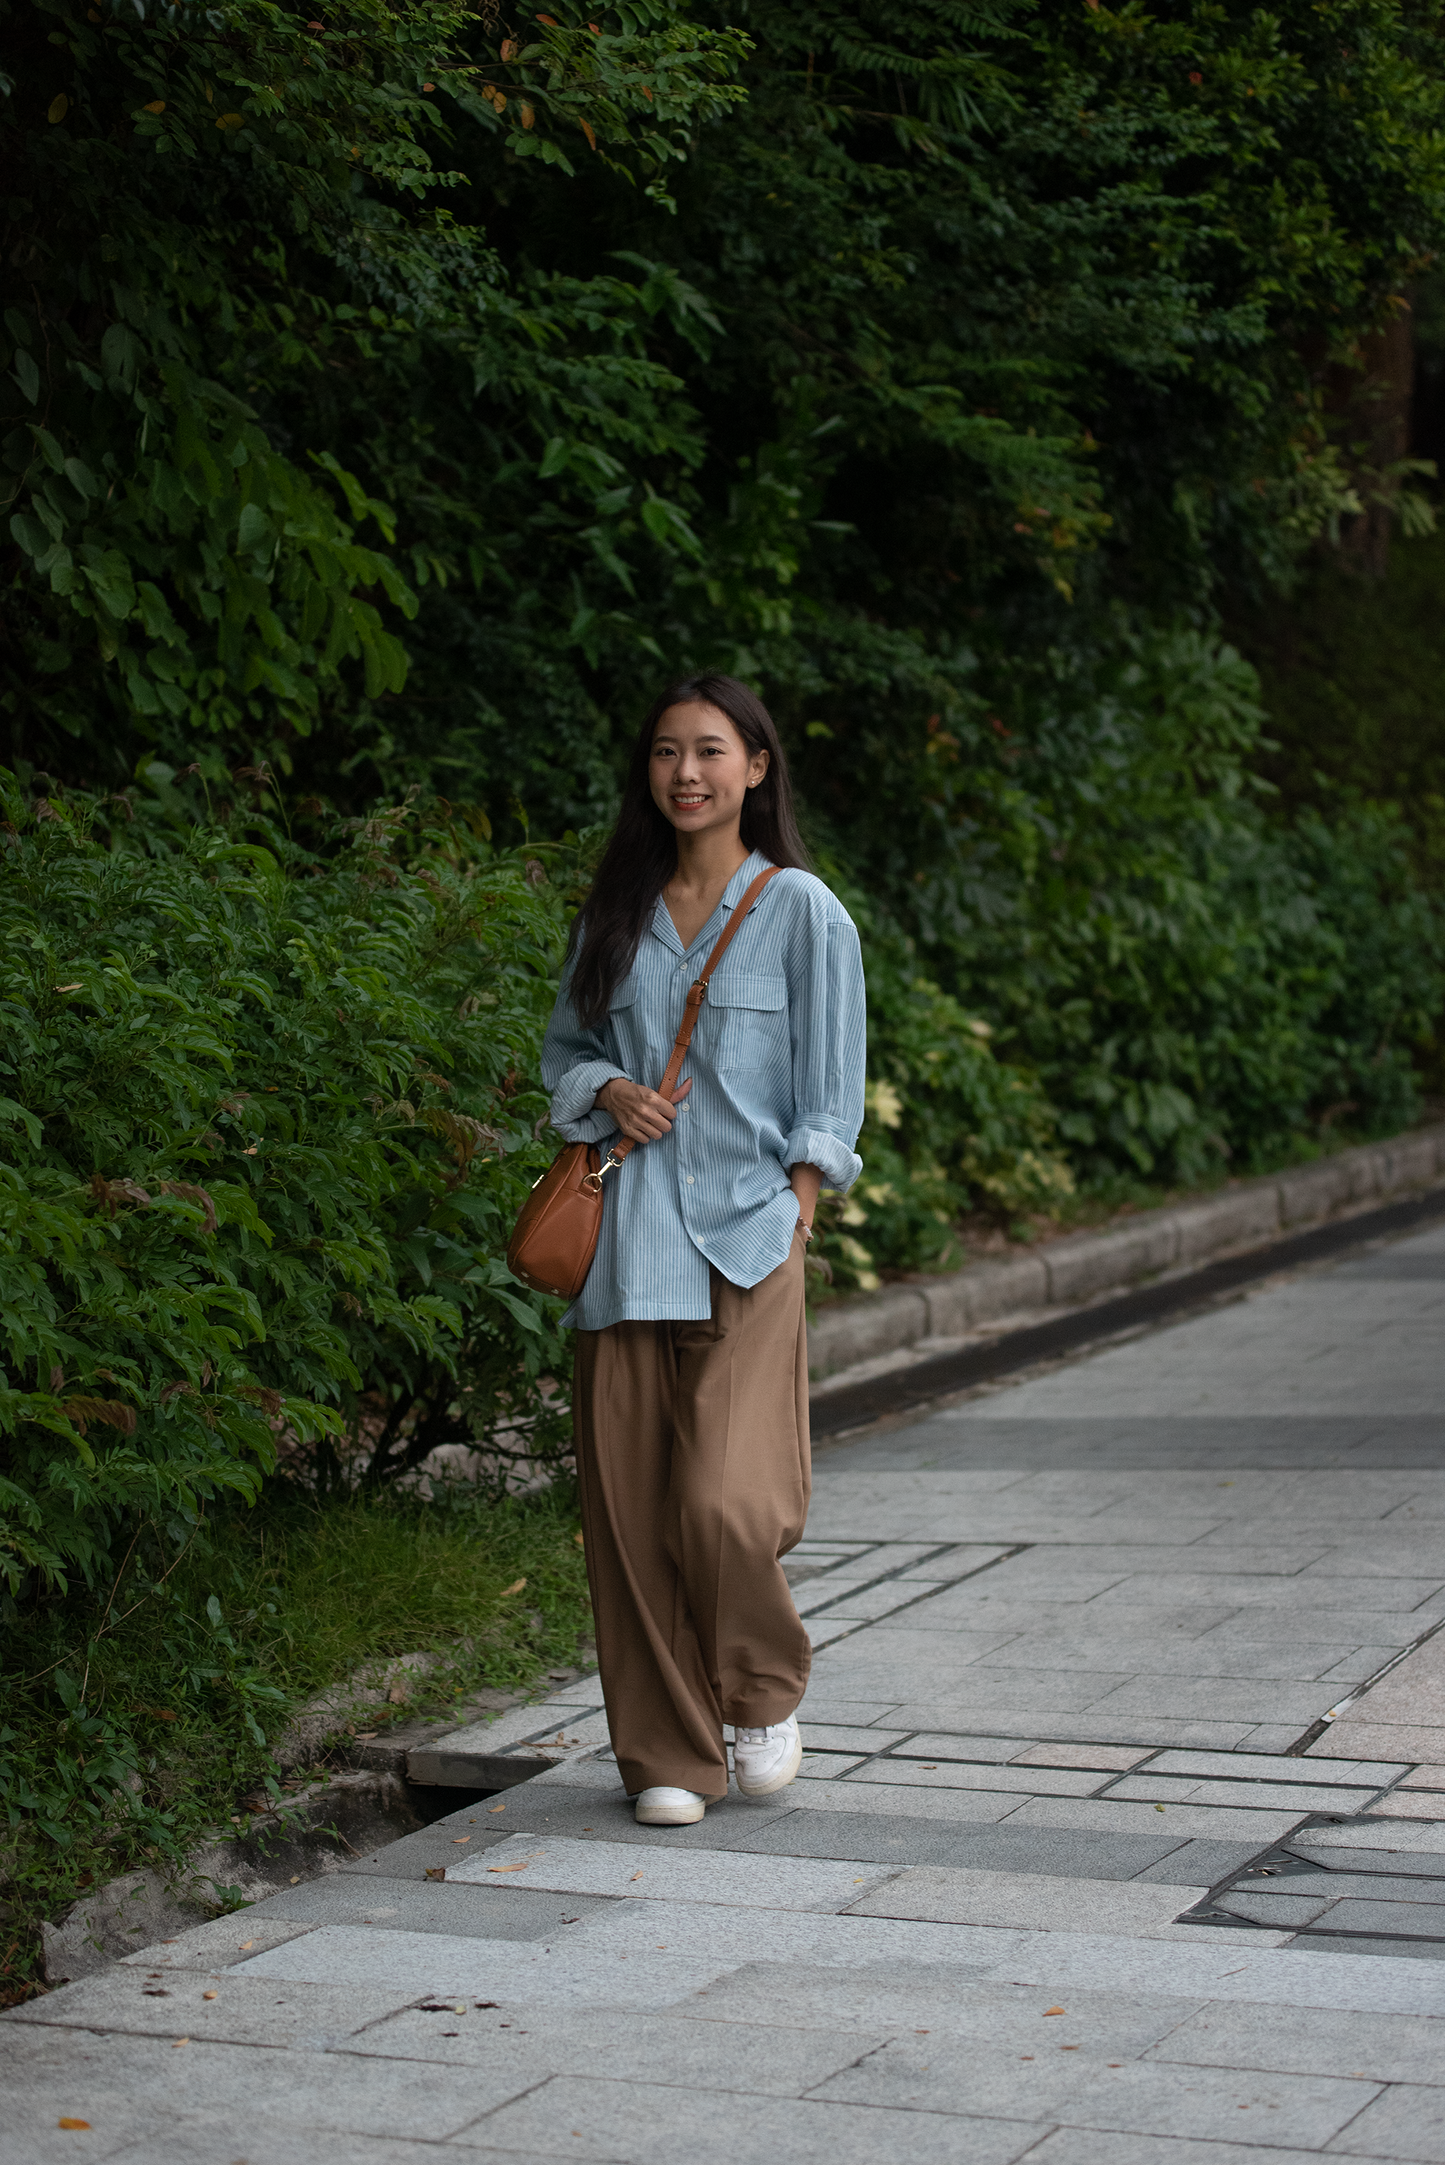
{"points": [[697, 993]]}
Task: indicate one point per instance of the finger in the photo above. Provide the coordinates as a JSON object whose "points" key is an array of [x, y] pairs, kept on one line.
{"points": [[681, 1092]]}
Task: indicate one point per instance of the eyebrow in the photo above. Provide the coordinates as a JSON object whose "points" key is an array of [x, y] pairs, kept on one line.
{"points": [[713, 736]]}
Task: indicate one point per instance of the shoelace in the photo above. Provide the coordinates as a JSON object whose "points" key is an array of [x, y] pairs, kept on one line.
{"points": [[758, 1736]]}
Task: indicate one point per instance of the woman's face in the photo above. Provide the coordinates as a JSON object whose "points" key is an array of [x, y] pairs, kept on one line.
{"points": [[701, 770]]}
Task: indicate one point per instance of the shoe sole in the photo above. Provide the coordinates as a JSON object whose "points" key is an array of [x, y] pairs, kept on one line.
{"points": [[788, 1772], [669, 1815]]}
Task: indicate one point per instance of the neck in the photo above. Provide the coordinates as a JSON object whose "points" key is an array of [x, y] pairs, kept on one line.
{"points": [[708, 860]]}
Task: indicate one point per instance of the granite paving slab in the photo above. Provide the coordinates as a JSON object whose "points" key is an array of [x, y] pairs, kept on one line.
{"points": [[948, 1894], [1289, 1912], [278, 2142], [219, 1943], [213, 2006], [1323, 2041], [1087, 2146], [528, 2045], [1103, 1816], [111, 2079], [498, 1908], [1424, 1845], [1076, 1637], [902, 1768], [655, 2124], [1086, 2090], [649, 1873], [1299, 1797], [1258, 1766], [1415, 1920], [1405, 2121]]}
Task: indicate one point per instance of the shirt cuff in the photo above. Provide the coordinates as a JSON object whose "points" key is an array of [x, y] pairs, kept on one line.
{"points": [[812, 1145], [575, 1097]]}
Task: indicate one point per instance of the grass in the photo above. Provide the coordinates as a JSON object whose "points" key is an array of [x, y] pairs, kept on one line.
{"points": [[137, 1713]]}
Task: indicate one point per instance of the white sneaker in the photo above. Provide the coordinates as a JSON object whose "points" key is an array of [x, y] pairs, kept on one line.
{"points": [[669, 1807], [767, 1759]]}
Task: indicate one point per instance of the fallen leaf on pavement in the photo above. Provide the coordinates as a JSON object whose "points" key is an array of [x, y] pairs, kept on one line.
{"points": [[515, 1867], [242, 1945], [72, 2123], [637, 1875], [460, 1838], [436, 1871], [496, 1807], [208, 1995], [1056, 2010], [179, 2042]]}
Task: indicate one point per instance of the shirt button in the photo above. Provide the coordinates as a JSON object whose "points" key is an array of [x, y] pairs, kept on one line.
{"points": [[689, 1179]]}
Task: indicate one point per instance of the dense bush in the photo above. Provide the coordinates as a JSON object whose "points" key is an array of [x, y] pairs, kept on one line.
{"points": [[932, 367], [267, 1118], [950, 1128], [1351, 671], [1193, 982], [225, 229]]}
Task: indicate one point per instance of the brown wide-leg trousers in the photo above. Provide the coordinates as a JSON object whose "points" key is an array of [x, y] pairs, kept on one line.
{"points": [[692, 1454]]}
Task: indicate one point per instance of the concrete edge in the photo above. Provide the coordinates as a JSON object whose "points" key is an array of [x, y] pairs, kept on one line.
{"points": [[1079, 1267]]}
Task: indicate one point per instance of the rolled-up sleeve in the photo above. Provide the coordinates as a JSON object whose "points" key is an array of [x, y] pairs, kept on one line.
{"points": [[830, 1048], [575, 1067]]}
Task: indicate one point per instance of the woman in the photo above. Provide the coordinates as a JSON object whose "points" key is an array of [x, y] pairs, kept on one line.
{"points": [[691, 1386]]}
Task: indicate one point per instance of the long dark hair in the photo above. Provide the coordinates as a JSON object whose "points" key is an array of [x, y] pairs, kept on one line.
{"points": [[642, 854]]}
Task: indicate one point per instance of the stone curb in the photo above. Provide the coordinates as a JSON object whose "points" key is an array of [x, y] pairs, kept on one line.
{"points": [[1081, 1266]]}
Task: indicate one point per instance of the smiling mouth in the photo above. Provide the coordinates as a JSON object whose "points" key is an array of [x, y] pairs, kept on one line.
{"points": [[688, 803]]}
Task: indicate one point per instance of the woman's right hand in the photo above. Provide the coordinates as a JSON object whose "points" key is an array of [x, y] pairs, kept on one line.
{"points": [[642, 1115]]}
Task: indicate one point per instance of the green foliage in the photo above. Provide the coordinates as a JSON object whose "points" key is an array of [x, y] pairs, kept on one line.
{"points": [[1017, 303], [132, 1730], [220, 217], [941, 370], [267, 1120], [949, 1128], [1350, 672], [1191, 983]]}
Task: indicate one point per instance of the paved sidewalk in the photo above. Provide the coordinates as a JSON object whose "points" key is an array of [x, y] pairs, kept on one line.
{"points": [[1077, 1871]]}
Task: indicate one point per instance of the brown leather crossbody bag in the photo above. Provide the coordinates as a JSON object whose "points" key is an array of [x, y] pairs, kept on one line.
{"points": [[555, 1236]]}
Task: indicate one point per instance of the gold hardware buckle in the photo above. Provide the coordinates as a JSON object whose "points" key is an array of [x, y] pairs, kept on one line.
{"points": [[594, 1181]]}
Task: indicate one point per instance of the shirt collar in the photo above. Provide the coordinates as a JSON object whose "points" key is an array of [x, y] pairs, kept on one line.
{"points": [[743, 879], [665, 930]]}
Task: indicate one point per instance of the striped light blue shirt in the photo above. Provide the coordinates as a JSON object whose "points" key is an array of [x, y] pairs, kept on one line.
{"points": [[777, 1066]]}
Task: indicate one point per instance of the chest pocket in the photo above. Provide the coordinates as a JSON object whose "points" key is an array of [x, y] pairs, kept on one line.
{"points": [[623, 1022], [750, 1019]]}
